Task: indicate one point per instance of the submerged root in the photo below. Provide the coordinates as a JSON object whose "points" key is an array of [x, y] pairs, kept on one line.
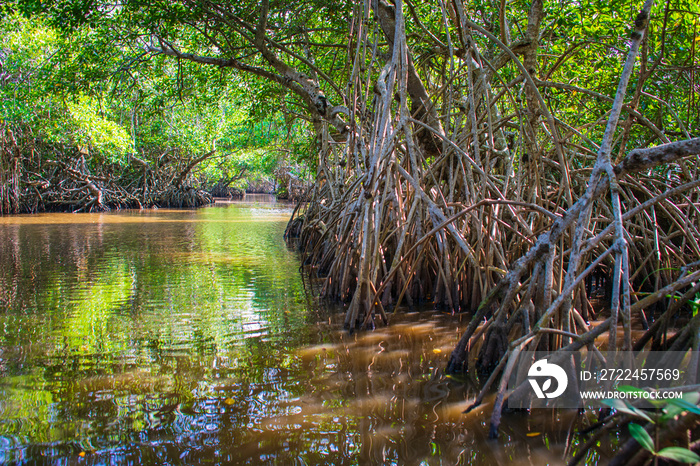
{"points": [[493, 349], [404, 220]]}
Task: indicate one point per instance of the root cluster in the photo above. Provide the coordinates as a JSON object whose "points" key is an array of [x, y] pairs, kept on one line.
{"points": [[480, 198], [36, 176]]}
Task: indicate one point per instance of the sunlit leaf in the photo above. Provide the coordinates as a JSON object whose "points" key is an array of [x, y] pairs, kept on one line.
{"points": [[679, 454], [683, 404], [641, 436]]}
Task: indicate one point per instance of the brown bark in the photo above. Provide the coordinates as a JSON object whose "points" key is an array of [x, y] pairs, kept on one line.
{"points": [[640, 159], [421, 106], [177, 181]]}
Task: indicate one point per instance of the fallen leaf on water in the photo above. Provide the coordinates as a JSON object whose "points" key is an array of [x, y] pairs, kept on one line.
{"points": [[229, 401], [533, 434], [437, 350]]}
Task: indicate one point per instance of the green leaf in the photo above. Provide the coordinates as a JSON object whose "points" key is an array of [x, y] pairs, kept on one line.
{"points": [[685, 405], [642, 436], [692, 397], [631, 389], [689, 400], [682, 455], [626, 408]]}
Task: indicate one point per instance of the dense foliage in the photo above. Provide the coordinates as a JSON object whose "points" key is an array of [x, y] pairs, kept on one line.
{"points": [[489, 157], [92, 123]]}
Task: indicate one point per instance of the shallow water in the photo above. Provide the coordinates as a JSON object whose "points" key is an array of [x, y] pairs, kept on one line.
{"points": [[186, 337]]}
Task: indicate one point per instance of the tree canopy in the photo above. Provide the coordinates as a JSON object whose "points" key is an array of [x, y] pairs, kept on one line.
{"points": [[76, 88]]}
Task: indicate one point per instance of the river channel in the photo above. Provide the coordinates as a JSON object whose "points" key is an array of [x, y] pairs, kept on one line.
{"points": [[189, 337]]}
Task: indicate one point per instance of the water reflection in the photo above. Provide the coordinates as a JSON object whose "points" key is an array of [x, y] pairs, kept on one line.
{"points": [[185, 337]]}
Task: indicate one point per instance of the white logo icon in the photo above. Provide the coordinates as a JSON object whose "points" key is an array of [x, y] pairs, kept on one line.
{"points": [[542, 368]]}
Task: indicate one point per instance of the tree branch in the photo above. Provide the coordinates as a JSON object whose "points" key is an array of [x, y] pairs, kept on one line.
{"points": [[640, 159], [181, 177], [227, 63]]}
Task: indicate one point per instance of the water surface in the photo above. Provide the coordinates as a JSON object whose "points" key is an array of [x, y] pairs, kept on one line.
{"points": [[186, 337]]}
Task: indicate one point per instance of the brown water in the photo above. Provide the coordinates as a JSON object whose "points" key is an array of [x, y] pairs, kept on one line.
{"points": [[186, 337]]}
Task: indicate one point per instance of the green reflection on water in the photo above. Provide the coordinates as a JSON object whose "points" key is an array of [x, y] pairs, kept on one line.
{"points": [[118, 324], [185, 337]]}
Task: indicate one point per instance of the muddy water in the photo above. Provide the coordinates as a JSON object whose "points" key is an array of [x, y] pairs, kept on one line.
{"points": [[186, 337]]}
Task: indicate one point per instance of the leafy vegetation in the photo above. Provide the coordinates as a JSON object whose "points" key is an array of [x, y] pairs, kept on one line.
{"points": [[95, 124], [498, 158], [667, 413]]}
